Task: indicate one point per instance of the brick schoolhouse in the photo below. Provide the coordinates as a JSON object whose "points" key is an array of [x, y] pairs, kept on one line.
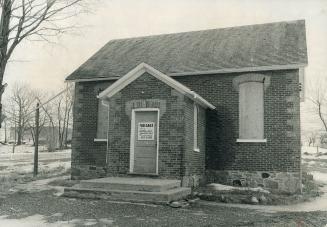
{"points": [[220, 105]]}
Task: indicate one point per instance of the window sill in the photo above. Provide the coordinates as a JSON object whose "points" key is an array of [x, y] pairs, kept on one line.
{"points": [[196, 149], [100, 140], [251, 140]]}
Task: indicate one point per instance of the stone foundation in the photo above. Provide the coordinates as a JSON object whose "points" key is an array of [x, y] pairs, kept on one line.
{"points": [[83, 172], [193, 181], [286, 182]]}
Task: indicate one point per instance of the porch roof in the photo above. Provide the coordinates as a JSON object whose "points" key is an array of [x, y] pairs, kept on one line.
{"points": [[140, 70]]}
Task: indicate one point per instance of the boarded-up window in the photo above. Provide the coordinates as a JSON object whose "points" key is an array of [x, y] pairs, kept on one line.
{"points": [[103, 120], [251, 110]]}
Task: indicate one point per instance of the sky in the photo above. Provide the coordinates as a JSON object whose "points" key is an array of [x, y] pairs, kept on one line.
{"points": [[45, 65]]}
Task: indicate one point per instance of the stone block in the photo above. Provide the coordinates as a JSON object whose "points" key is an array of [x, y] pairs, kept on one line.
{"points": [[271, 184]]}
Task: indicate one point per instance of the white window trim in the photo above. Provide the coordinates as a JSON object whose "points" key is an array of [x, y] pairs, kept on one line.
{"points": [[195, 128], [251, 140], [100, 140]]}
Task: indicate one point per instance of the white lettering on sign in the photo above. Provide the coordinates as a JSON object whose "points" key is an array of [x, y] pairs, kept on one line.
{"points": [[145, 131]]}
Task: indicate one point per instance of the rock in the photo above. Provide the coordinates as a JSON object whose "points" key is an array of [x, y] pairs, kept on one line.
{"points": [[175, 204], [254, 200], [223, 199], [271, 184], [191, 201], [263, 199], [178, 204]]}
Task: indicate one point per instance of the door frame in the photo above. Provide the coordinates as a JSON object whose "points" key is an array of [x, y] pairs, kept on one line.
{"points": [[131, 155]]}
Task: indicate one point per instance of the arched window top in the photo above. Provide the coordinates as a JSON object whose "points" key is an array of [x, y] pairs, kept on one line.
{"points": [[251, 77]]}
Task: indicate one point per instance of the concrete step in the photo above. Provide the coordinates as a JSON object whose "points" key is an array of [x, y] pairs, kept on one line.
{"points": [[131, 184], [161, 197]]}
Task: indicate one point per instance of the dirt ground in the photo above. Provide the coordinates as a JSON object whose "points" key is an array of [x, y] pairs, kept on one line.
{"points": [[36, 203], [47, 209]]}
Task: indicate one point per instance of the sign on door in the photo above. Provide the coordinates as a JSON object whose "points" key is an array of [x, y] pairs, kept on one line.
{"points": [[145, 131]]}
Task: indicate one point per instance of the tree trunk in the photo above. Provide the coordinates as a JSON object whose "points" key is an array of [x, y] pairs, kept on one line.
{"points": [[322, 117], [19, 134], [66, 131], [4, 36]]}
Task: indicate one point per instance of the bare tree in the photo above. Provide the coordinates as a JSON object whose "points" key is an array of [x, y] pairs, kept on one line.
{"points": [[33, 19], [318, 97], [312, 138], [43, 117], [63, 116], [19, 108], [58, 117]]}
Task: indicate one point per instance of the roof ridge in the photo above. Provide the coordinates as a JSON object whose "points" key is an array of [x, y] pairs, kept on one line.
{"points": [[211, 29]]}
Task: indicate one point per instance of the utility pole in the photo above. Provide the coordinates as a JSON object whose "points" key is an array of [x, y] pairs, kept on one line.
{"points": [[36, 151]]}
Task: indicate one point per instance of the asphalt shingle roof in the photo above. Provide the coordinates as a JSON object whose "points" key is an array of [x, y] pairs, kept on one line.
{"points": [[273, 44]]}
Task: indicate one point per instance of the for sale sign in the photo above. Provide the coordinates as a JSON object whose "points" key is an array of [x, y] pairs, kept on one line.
{"points": [[145, 131]]}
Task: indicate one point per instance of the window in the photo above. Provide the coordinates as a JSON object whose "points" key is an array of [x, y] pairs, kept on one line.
{"points": [[102, 121], [251, 106], [195, 128]]}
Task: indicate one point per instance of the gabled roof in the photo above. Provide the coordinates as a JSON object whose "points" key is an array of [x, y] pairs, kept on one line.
{"points": [[270, 46], [140, 70]]}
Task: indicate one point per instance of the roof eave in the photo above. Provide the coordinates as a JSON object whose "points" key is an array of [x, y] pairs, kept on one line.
{"points": [[243, 69], [218, 71]]}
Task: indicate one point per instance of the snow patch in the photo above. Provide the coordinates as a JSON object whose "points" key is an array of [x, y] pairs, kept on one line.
{"points": [[33, 221], [319, 176], [313, 150]]}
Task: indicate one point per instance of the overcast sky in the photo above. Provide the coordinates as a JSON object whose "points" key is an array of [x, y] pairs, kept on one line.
{"points": [[45, 65]]}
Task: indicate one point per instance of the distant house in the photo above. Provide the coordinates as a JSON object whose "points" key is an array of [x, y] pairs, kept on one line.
{"points": [[47, 133], [220, 105]]}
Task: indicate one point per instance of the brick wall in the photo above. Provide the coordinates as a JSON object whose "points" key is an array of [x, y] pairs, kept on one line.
{"points": [[194, 161], [176, 111], [281, 122], [88, 157], [281, 153]]}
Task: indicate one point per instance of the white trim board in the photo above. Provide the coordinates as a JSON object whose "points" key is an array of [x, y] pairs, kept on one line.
{"points": [[206, 72], [131, 154], [142, 68], [251, 140]]}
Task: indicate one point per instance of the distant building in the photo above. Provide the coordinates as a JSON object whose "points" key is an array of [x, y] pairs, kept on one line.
{"points": [[46, 134]]}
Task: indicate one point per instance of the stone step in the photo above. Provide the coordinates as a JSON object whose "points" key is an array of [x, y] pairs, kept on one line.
{"points": [[162, 197], [131, 184]]}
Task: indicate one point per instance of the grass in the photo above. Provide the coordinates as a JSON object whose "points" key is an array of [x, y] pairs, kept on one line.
{"points": [[8, 181]]}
